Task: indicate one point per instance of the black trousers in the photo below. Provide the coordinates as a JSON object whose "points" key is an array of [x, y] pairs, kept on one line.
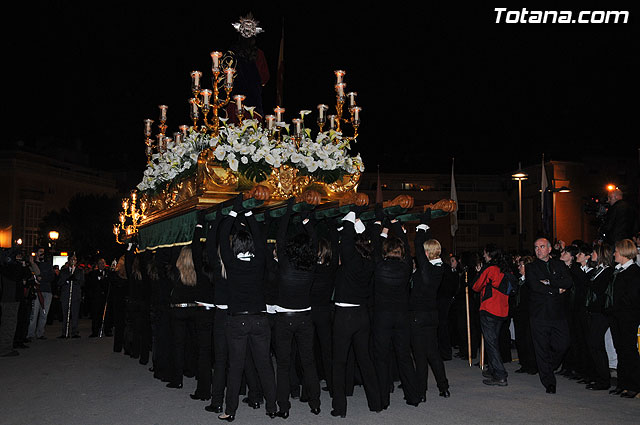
{"points": [[322, 323], [202, 322], [597, 325], [491, 328], [461, 322], [252, 332], [550, 342], [298, 327], [391, 334], [221, 357], [524, 343], [118, 302], [424, 344], [351, 328], [624, 331], [444, 333]]}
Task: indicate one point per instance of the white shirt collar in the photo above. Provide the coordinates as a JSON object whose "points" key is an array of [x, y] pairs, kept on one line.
{"points": [[624, 266], [436, 261], [245, 256]]}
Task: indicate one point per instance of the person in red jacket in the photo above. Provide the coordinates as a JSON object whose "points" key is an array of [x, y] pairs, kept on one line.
{"points": [[494, 309]]}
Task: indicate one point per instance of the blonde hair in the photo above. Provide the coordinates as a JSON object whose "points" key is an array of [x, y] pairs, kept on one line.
{"points": [[121, 271], [185, 266], [627, 248], [433, 248]]}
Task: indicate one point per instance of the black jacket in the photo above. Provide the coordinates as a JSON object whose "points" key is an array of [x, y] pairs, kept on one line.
{"points": [[545, 301]]}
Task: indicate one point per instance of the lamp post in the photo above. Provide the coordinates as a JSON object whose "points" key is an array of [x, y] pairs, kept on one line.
{"points": [[519, 176], [554, 190], [53, 236]]}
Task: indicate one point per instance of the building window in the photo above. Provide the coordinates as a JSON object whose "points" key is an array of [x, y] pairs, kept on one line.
{"points": [[468, 211]]}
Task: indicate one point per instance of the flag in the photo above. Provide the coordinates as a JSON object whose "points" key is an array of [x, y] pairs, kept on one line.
{"points": [[379, 189], [454, 197], [546, 203], [280, 76]]}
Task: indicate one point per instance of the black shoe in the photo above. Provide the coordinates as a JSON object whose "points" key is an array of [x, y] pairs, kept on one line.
{"points": [[93, 336], [42, 337], [414, 404], [487, 374], [11, 353], [213, 409], [532, 372], [335, 413], [27, 340], [629, 394], [597, 387], [423, 399], [174, 385], [228, 418], [272, 414], [551, 389], [325, 388], [585, 381], [75, 336], [284, 414], [20, 345], [315, 411], [521, 370], [304, 399], [445, 394], [616, 391], [195, 396], [495, 382]]}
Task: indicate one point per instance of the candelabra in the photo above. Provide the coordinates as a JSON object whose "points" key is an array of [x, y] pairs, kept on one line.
{"points": [[211, 100], [133, 212]]}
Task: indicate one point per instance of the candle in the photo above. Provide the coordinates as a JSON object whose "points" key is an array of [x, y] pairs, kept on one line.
{"points": [[163, 112], [195, 81], [352, 98], [215, 58], [321, 111], [177, 136], [271, 120], [147, 127], [206, 95], [356, 114], [298, 125], [339, 75], [194, 108], [184, 129], [239, 98], [332, 122], [279, 111], [340, 89], [229, 72]]}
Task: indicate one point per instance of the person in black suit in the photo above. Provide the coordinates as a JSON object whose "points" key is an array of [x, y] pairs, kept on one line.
{"points": [[522, 327], [391, 332], [623, 301], [244, 255], [423, 309], [71, 282], [621, 221], [446, 296], [97, 285], [547, 280], [351, 326], [297, 258], [597, 321]]}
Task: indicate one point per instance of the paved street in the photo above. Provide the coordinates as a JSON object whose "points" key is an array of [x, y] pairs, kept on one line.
{"points": [[82, 382]]}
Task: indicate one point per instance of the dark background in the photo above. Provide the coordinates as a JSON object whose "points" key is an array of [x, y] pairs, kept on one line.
{"points": [[434, 82]]}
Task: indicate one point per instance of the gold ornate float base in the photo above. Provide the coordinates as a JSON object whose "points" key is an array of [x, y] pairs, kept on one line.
{"points": [[212, 184]]}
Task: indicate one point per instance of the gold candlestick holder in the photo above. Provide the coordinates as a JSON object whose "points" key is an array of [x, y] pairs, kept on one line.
{"points": [[133, 212]]}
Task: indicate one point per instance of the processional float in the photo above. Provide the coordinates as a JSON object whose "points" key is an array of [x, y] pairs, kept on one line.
{"points": [[229, 149]]}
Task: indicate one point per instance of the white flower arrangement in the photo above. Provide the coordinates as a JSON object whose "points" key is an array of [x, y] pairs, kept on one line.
{"points": [[248, 150]]}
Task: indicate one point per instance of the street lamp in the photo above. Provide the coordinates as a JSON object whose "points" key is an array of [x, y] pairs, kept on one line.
{"points": [[562, 189], [53, 236], [519, 176]]}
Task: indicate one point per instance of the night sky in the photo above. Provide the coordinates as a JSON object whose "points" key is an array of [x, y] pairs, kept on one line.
{"points": [[434, 82]]}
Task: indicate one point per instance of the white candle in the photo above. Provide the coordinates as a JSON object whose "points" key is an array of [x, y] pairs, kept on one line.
{"points": [[356, 114], [321, 110], [194, 108], [339, 75], [147, 127], [239, 98], [340, 89], [332, 122], [195, 80], [215, 57], [163, 112], [229, 72], [279, 111], [271, 120], [206, 95], [352, 98]]}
